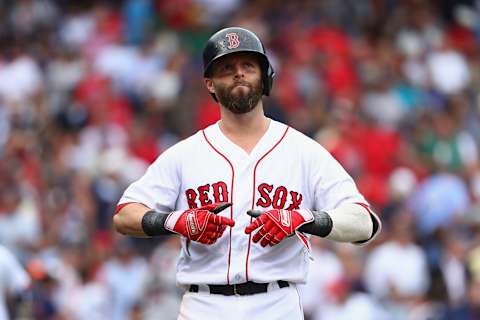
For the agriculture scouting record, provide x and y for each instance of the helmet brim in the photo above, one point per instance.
(264, 63)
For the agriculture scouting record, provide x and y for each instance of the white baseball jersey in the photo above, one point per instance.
(285, 170)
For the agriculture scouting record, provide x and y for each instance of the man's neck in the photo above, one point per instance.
(252, 123)
(244, 130)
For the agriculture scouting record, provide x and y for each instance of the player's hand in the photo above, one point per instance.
(202, 224)
(276, 224)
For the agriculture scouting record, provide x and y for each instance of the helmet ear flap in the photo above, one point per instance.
(268, 80)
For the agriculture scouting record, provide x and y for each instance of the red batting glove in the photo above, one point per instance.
(201, 224)
(276, 224)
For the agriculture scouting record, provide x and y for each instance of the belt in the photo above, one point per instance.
(240, 289)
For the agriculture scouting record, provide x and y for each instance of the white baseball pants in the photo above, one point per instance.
(276, 304)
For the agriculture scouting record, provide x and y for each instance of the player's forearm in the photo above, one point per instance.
(348, 223)
(351, 223)
(138, 220)
(128, 220)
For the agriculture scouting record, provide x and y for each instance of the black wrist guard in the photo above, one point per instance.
(153, 223)
(321, 225)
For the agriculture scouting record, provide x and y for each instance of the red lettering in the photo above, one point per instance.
(233, 40)
(280, 198)
(191, 197)
(296, 200)
(220, 191)
(264, 200)
(203, 195)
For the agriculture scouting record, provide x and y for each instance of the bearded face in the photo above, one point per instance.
(236, 81)
(240, 97)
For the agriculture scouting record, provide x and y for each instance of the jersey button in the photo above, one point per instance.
(238, 277)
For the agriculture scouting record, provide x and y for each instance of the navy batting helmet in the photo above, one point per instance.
(235, 39)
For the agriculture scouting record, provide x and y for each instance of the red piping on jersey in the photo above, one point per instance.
(253, 197)
(121, 206)
(364, 206)
(231, 207)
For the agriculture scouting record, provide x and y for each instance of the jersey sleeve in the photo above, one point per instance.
(332, 185)
(158, 187)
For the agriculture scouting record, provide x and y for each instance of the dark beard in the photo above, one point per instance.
(240, 103)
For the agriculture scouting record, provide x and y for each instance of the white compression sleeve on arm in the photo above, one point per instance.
(353, 223)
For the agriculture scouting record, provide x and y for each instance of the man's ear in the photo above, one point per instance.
(209, 85)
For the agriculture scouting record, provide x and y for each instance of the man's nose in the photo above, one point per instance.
(239, 72)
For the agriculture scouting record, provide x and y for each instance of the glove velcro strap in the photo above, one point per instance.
(194, 229)
(172, 219)
(284, 219)
(306, 214)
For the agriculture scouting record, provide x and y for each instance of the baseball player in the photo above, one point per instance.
(244, 195)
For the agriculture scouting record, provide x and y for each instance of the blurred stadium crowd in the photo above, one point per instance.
(92, 91)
